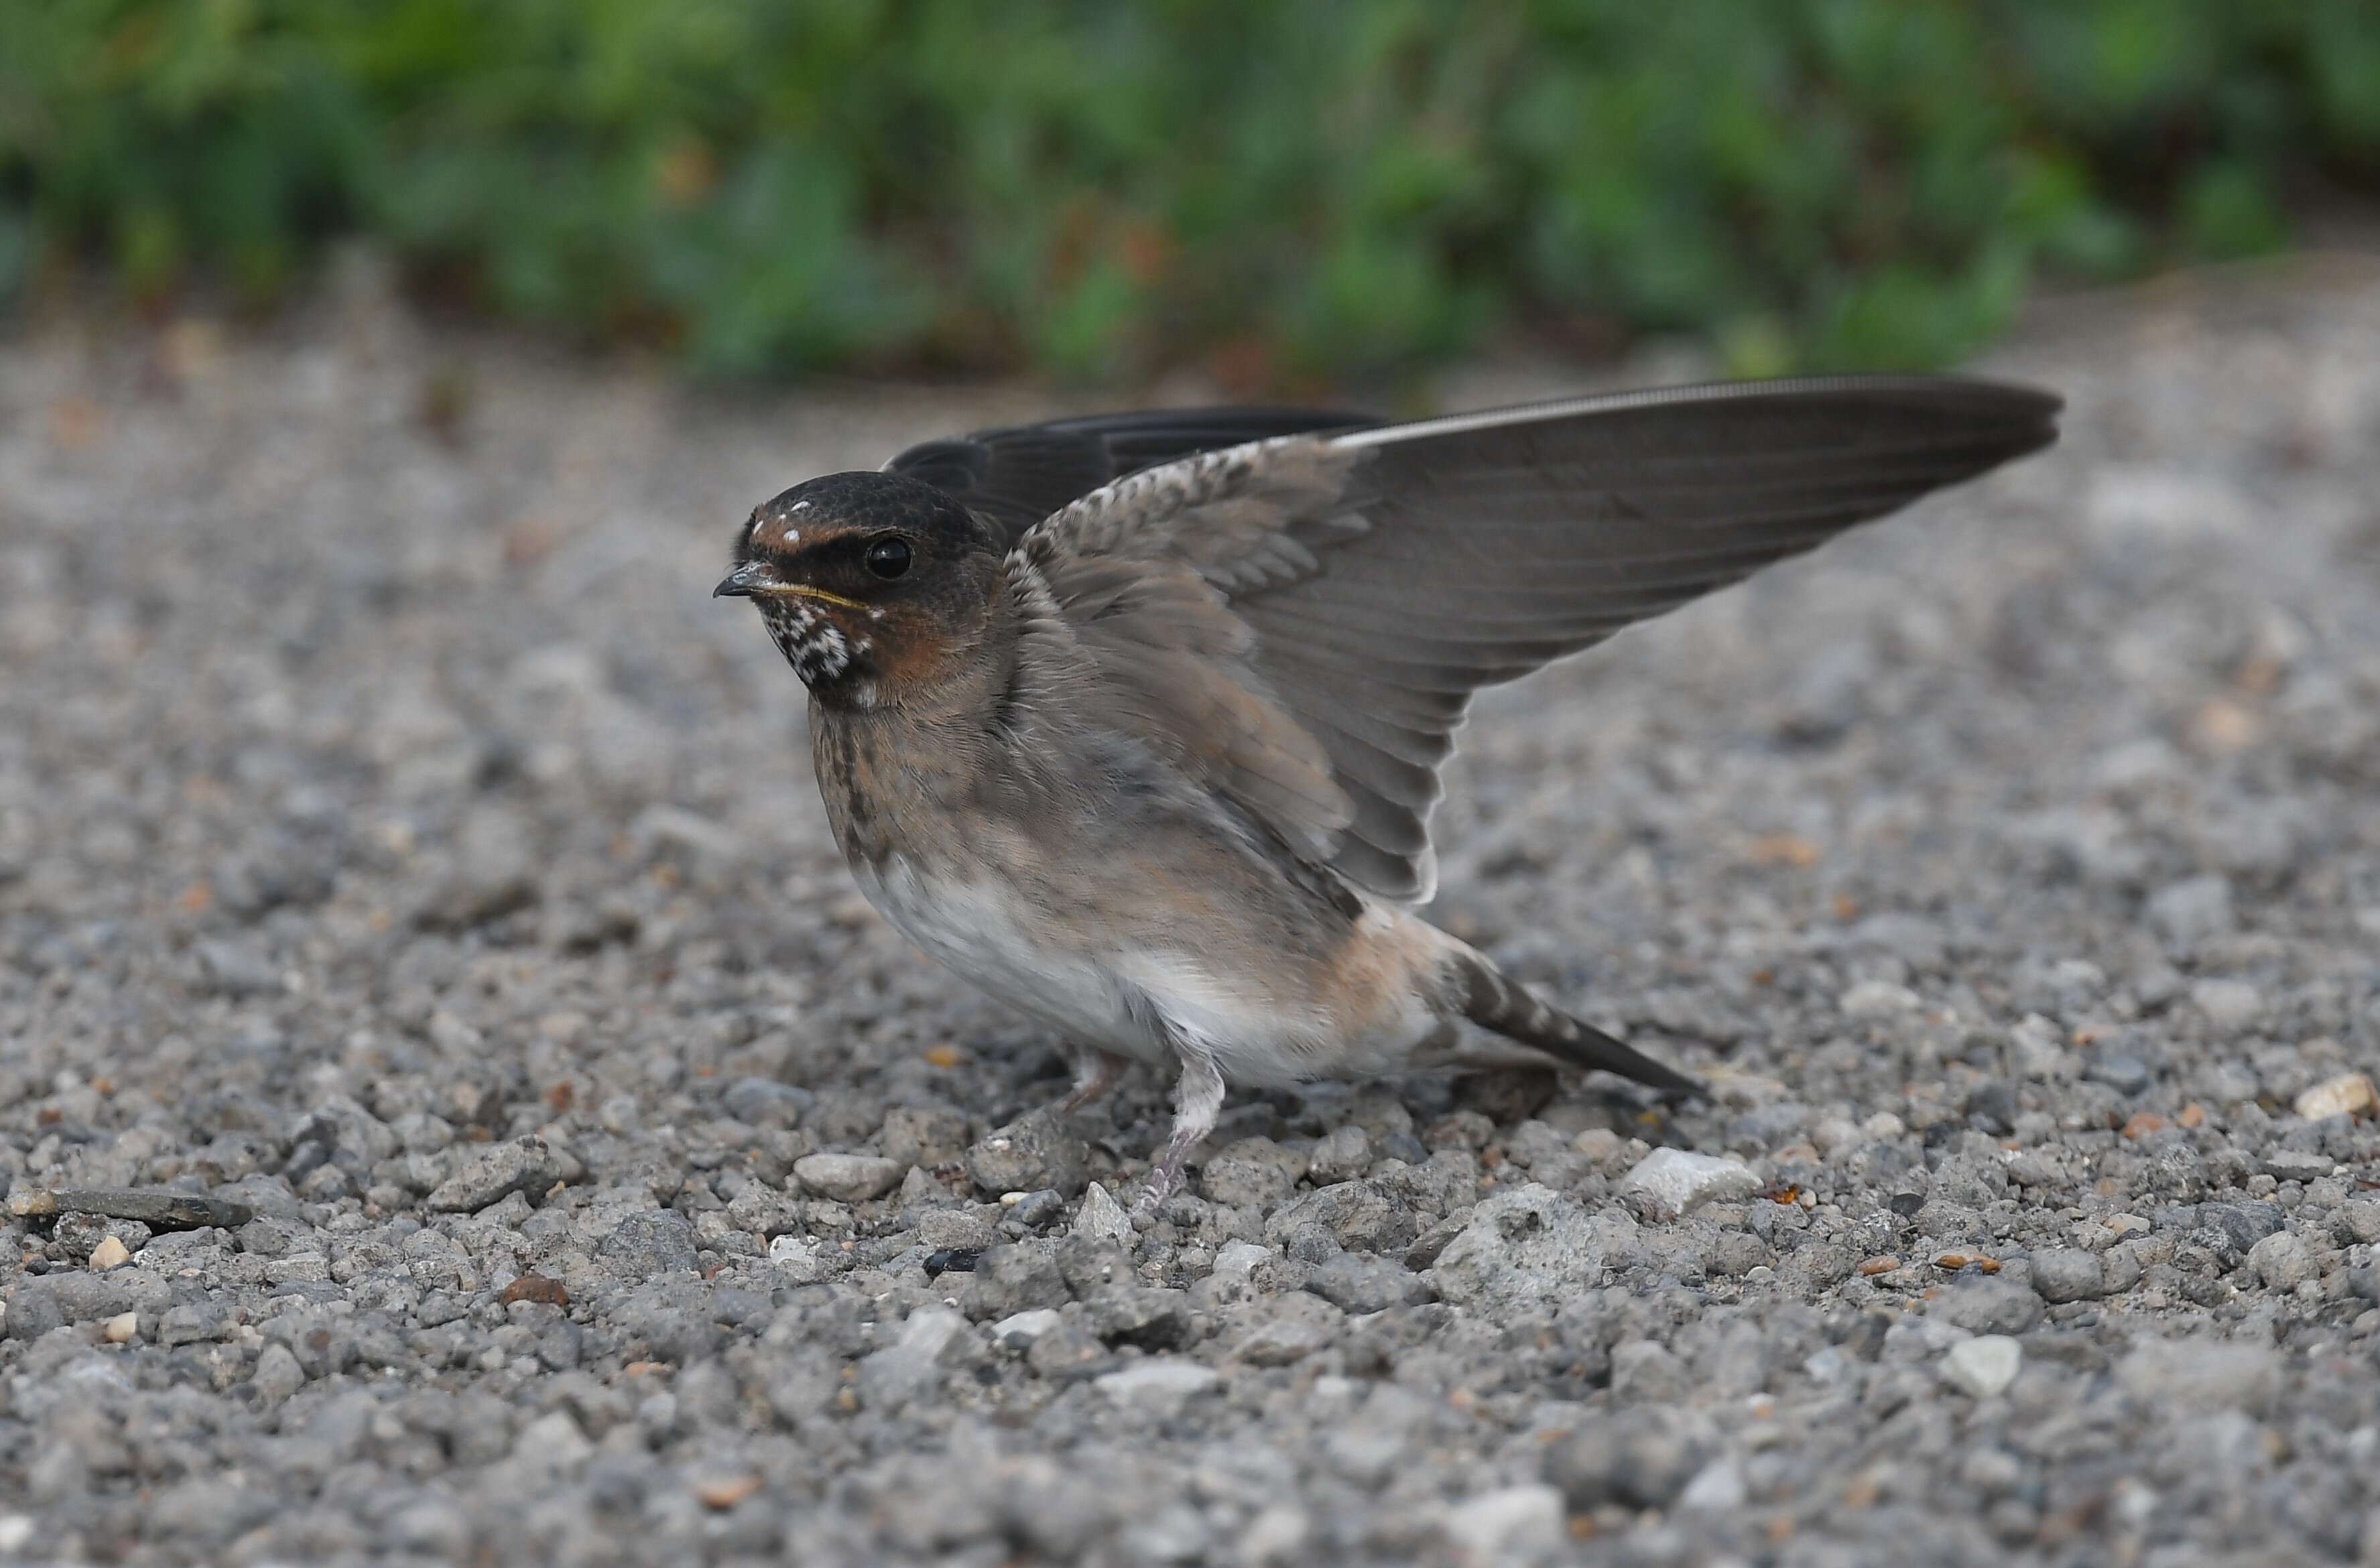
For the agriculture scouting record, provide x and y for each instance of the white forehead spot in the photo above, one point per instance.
(801, 506)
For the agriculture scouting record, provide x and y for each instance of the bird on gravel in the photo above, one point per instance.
(1135, 721)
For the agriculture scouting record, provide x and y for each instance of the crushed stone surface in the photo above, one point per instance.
(404, 863)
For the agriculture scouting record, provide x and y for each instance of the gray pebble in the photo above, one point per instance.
(1251, 1171)
(1032, 1152)
(1523, 1248)
(523, 1165)
(1642, 1457)
(2068, 1275)
(1355, 1282)
(1988, 1305)
(849, 1178)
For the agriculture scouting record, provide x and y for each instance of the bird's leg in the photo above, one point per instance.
(1095, 1072)
(1197, 1101)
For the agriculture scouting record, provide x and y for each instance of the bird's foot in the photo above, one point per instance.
(1197, 1101)
(1095, 1072)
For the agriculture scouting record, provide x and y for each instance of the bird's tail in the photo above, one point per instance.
(1493, 1000)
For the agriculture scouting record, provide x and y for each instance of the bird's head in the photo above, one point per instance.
(871, 584)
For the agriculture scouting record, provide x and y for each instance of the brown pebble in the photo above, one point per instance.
(723, 1492)
(537, 1287)
(1882, 1264)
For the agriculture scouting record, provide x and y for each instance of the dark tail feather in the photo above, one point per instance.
(1492, 1001)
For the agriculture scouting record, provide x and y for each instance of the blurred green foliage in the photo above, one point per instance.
(1282, 188)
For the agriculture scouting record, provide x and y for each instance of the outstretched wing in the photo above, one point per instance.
(1020, 474)
(1361, 585)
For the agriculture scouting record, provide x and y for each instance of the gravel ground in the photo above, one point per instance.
(405, 865)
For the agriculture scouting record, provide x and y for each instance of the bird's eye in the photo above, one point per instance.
(888, 559)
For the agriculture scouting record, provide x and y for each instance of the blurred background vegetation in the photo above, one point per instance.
(1278, 191)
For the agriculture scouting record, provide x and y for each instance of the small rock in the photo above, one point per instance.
(2190, 911)
(2298, 1165)
(120, 1328)
(1357, 1282)
(1359, 1216)
(849, 1178)
(2068, 1275)
(1102, 1219)
(765, 1102)
(955, 1230)
(524, 1166)
(2127, 1075)
(233, 969)
(1160, 1386)
(1023, 1327)
(1641, 1457)
(1345, 1153)
(654, 1241)
(2229, 1005)
(1989, 1306)
(1509, 1528)
(2349, 1094)
(1152, 1318)
(1288, 1328)
(1525, 1248)
(2202, 1375)
(1645, 1370)
(1030, 1153)
(2282, 1260)
(33, 1312)
(278, 1375)
(1253, 1171)
(1717, 1488)
(1236, 1262)
(923, 1136)
(539, 1288)
(109, 1254)
(909, 1366)
(1879, 998)
(720, 1492)
(1017, 1278)
(1671, 1182)
(1983, 1365)
(1036, 1209)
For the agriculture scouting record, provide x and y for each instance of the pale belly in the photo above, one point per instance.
(1137, 1000)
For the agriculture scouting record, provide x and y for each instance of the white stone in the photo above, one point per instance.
(1161, 1384)
(553, 1443)
(1877, 998)
(1026, 1326)
(1717, 1488)
(109, 1254)
(849, 1178)
(1235, 1266)
(1503, 1529)
(1101, 1218)
(1983, 1365)
(2228, 1004)
(910, 1366)
(122, 1327)
(2348, 1095)
(1673, 1181)
(15, 1532)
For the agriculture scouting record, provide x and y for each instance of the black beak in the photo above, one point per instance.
(740, 582)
